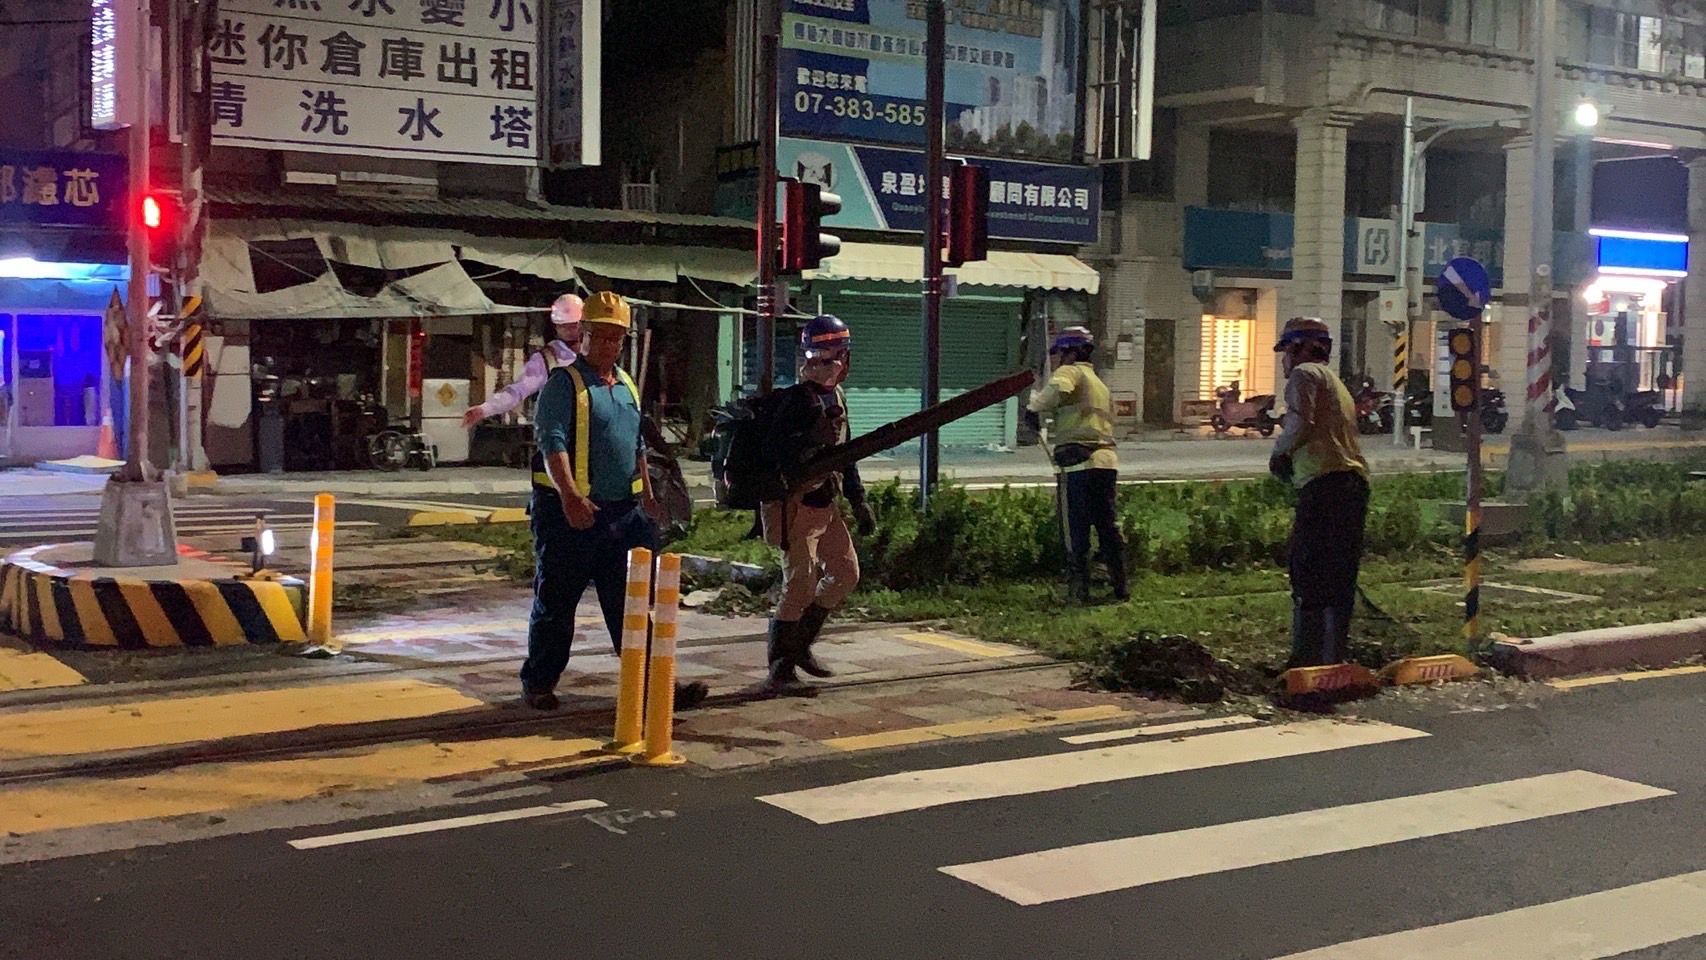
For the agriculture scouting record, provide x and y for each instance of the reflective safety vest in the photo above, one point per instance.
(582, 476)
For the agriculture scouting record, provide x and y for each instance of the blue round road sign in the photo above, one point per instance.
(1464, 288)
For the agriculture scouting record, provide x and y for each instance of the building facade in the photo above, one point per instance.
(1275, 187)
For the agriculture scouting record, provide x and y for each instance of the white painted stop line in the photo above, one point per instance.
(453, 823)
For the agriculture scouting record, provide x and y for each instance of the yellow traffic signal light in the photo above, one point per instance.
(1465, 359)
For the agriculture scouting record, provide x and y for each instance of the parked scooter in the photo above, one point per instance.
(1256, 413)
(1374, 408)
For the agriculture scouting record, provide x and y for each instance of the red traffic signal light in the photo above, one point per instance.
(161, 216)
(152, 215)
(804, 246)
(968, 214)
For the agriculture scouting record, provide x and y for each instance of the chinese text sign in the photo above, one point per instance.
(428, 79)
(62, 188)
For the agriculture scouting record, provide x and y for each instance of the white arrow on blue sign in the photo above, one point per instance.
(1464, 288)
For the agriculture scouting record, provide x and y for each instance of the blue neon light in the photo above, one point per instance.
(1643, 255)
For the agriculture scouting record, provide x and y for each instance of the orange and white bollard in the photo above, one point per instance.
(320, 571)
(630, 691)
(660, 692)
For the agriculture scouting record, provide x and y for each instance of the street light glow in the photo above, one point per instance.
(1587, 114)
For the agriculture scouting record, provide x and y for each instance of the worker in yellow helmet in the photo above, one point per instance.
(592, 499)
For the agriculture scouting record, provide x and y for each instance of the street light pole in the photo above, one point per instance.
(1406, 226)
(1537, 451)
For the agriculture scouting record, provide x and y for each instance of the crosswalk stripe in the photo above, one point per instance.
(918, 790)
(1594, 926)
(1092, 868)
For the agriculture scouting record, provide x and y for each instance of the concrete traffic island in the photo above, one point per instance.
(55, 596)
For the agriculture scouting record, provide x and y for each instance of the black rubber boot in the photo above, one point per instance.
(1336, 633)
(782, 650)
(1117, 573)
(811, 624)
(1078, 579)
(1308, 637)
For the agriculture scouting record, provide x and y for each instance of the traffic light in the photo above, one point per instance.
(162, 217)
(804, 246)
(968, 214)
(1465, 373)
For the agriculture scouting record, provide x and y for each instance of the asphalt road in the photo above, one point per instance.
(1576, 795)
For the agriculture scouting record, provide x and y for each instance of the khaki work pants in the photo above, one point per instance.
(819, 564)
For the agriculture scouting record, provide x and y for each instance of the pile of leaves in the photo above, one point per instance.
(1169, 667)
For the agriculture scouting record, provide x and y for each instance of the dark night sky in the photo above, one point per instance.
(1650, 193)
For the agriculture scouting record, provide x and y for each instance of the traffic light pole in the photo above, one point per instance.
(767, 245)
(136, 527)
(935, 164)
(1472, 500)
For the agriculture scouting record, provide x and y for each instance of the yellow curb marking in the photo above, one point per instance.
(508, 515)
(20, 670)
(225, 786)
(442, 518)
(151, 723)
(971, 728)
(1621, 677)
(975, 648)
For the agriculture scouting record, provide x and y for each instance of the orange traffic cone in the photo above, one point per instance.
(107, 447)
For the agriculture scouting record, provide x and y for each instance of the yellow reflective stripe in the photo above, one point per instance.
(583, 432)
(639, 484)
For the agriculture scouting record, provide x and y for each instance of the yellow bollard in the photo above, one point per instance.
(320, 571)
(660, 693)
(630, 692)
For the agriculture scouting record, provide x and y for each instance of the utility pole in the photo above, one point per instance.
(768, 43)
(1537, 457)
(136, 527)
(935, 167)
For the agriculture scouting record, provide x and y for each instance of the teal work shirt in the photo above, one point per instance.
(613, 435)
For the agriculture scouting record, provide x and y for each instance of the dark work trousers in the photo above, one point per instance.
(1090, 503)
(565, 560)
(1326, 541)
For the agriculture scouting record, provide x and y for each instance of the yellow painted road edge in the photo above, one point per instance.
(1580, 682)
(976, 648)
(972, 728)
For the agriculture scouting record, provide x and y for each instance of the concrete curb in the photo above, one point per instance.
(50, 606)
(1609, 648)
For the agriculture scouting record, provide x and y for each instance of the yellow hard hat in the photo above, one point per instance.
(608, 308)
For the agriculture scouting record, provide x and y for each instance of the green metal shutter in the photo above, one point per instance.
(980, 342)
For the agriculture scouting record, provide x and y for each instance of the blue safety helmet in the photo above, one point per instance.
(825, 335)
(1072, 338)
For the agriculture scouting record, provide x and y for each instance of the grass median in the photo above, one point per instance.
(1628, 546)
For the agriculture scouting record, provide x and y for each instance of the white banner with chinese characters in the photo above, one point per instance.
(572, 98)
(428, 79)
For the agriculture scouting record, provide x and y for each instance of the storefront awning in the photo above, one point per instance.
(443, 267)
(1004, 268)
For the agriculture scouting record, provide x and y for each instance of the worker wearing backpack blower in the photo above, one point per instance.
(1084, 459)
(820, 566)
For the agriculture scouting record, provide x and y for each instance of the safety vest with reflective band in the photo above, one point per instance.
(582, 476)
(1083, 414)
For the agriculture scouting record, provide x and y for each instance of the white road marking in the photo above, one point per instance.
(1091, 868)
(1159, 730)
(1595, 926)
(896, 793)
(453, 823)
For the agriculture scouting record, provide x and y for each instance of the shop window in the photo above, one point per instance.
(1251, 170)
(1482, 23)
(1225, 354)
(59, 369)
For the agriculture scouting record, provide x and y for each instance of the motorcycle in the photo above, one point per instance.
(1256, 413)
(1374, 408)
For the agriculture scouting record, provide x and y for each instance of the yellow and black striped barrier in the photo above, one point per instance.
(50, 606)
(1400, 364)
(1472, 573)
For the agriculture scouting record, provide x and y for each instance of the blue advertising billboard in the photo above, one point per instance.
(883, 189)
(854, 70)
(62, 188)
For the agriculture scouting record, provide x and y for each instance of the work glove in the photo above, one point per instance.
(1280, 466)
(864, 518)
(1032, 420)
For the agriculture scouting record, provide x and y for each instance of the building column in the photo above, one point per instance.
(1694, 303)
(1318, 240)
(1507, 353)
(1190, 165)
